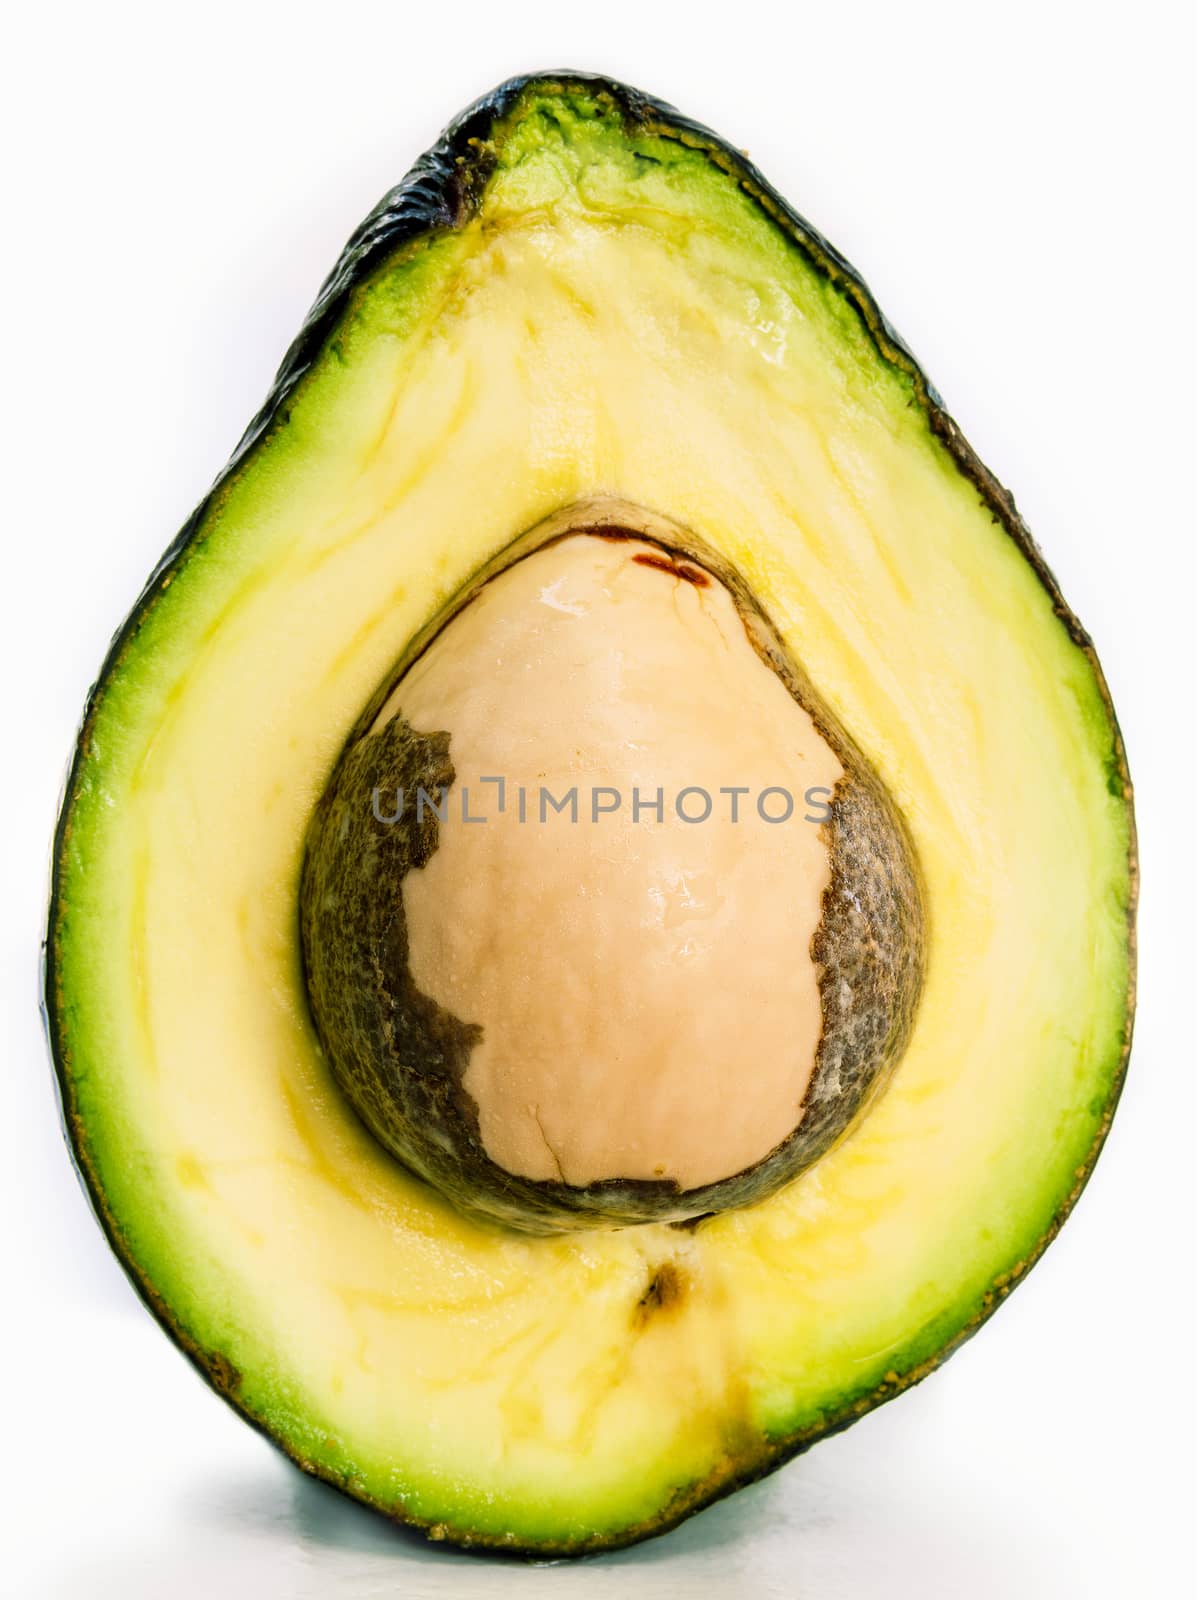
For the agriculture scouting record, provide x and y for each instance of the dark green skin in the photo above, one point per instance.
(400, 1058)
(439, 193)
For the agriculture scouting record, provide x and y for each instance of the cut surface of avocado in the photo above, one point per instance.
(581, 297)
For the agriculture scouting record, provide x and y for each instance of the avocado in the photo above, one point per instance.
(539, 1188)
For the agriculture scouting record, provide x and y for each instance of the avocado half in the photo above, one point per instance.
(580, 294)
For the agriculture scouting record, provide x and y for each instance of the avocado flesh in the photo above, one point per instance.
(612, 304)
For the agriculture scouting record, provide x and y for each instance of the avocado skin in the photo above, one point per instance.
(400, 1058)
(438, 193)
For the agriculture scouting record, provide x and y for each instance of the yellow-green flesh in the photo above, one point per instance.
(640, 328)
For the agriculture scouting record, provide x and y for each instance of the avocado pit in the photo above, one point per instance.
(604, 921)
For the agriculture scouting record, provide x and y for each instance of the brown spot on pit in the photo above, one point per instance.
(666, 1290)
(676, 569)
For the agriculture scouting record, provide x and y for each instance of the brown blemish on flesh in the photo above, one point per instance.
(666, 1291)
(223, 1373)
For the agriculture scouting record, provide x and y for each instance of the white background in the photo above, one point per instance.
(1016, 183)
